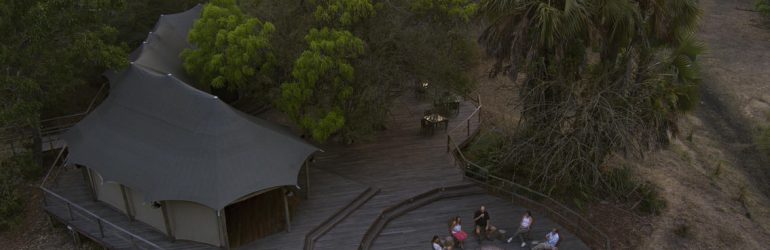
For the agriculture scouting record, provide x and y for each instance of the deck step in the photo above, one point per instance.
(338, 217)
(413, 203)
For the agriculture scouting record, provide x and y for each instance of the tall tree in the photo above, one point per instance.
(232, 50)
(323, 75)
(49, 50)
(600, 77)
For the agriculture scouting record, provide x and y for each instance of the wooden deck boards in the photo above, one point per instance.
(415, 229)
(328, 194)
(402, 163)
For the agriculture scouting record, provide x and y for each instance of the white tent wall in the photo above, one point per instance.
(108, 192)
(144, 211)
(193, 221)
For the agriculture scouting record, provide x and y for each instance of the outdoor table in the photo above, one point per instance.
(432, 120)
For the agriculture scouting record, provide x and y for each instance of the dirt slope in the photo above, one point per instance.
(714, 178)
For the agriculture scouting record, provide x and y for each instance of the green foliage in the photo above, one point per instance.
(488, 151)
(232, 50)
(764, 141)
(11, 181)
(763, 6)
(51, 48)
(462, 10)
(343, 12)
(602, 77)
(398, 52)
(322, 85)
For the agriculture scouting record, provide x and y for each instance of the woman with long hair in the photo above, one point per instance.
(457, 231)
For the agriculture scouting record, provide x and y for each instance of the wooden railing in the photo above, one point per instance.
(50, 128)
(80, 215)
(337, 217)
(519, 194)
(394, 211)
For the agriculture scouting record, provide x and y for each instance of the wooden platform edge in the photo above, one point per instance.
(337, 217)
(415, 202)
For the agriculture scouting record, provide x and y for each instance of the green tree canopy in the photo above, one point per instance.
(445, 9)
(232, 50)
(49, 50)
(323, 75)
(343, 12)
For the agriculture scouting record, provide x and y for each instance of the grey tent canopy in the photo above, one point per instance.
(158, 135)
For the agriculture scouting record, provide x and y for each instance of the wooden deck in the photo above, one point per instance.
(328, 194)
(400, 161)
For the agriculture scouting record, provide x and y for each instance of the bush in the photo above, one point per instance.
(487, 150)
(764, 141)
(12, 175)
(763, 6)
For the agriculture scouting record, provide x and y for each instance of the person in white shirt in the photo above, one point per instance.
(551, 241)
(436, 243)
(524, 227)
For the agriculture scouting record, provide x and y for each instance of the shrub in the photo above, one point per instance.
(12, 173)
(764, 141)
(763, 6)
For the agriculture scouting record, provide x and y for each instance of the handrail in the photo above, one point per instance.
(320, 230)
(386, 215)
(71, 204)
(47, 130)
(467, 166)
(478, 109)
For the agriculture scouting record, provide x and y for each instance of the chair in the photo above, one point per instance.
(426, 126)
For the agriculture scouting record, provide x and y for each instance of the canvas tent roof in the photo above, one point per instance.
(158, 135)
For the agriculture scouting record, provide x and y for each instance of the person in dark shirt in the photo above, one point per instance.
(481, 219)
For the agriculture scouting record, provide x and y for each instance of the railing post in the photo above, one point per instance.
(468, 128)
(13, 148)
(69, 210)
(447, 143)
(101, 229)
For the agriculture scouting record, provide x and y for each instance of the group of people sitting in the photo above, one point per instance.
(483, 228)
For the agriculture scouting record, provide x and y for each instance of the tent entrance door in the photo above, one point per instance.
(255, 217)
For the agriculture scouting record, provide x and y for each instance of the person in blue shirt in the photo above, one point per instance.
(551, 241)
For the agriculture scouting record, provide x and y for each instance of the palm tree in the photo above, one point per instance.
(600, 77)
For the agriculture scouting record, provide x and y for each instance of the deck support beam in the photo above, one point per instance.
(286, 210)
(222, 220)
(166, 219)
(307, 180)
(91, 185)
(126, 204)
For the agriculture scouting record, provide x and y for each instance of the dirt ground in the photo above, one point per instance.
(713, 177)
(35, 231)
